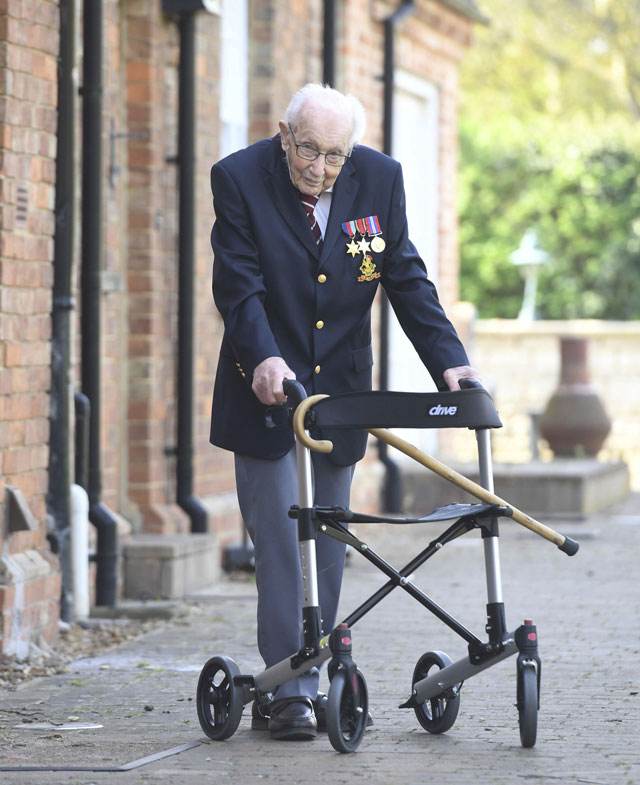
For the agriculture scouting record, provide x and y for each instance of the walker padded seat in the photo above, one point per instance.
(447, 512)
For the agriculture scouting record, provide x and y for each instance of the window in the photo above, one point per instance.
(234, 81)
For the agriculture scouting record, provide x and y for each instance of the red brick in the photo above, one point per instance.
(19, 274)
(47, 14)
(31, 353)
(7, 597)
(7, 624)
(24, 459)
(35, 591)
(37, 431)
(22, 540)
(19, 301)
(13, 354)
(12, 380)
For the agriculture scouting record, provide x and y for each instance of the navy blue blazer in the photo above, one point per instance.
(279, 294)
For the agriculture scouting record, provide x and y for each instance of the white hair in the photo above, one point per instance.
(329, 98)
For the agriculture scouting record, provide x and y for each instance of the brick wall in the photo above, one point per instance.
(213, 468)
(151, 56)
(29, 592)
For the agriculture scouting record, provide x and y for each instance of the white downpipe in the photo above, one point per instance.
(79, 552)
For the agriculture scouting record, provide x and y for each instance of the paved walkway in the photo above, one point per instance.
(138, 699)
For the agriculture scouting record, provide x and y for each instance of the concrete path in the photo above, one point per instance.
(138, 699)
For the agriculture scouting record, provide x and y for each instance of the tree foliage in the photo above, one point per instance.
(554, 59)
(549, 139)
(584, 203)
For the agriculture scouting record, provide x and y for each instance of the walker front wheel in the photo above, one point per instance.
(437, 714)
(347, 710)
(219, 700)
(528, 704)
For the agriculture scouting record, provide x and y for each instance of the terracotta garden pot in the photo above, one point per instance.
(574, 422)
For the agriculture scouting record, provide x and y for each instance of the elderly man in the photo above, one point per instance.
(308, 224)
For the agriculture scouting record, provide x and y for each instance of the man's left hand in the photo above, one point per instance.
(452, 376)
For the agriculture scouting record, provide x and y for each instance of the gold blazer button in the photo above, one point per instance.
(320, 324)
(322, 278)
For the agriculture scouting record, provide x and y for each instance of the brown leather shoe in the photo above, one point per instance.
(292, 719)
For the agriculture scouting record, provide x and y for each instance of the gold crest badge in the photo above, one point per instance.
(368, 270)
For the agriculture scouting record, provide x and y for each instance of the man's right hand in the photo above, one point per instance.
(267, 380)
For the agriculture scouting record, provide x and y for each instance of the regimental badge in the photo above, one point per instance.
(368, 270)
(358, 231)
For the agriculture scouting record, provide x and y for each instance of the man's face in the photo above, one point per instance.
(328, 132)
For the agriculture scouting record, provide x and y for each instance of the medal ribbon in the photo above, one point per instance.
(349, 227)
(373, 224)
(365, 226)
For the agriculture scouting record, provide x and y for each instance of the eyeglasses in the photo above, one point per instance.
(310, 153)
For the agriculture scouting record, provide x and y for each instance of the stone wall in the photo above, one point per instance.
(520, 364)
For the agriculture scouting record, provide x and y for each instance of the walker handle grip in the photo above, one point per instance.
(470, 384)
(280, 415)
(569, 546)
(294, 391)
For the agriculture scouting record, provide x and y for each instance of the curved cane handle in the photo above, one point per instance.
(319, 445)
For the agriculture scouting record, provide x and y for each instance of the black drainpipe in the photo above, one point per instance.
(60, 478)
(392, 491)
(190, 503)
(92, 184)
(329, 44)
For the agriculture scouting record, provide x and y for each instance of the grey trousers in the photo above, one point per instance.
(266, 490)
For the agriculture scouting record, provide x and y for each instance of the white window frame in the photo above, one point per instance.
(234, 76)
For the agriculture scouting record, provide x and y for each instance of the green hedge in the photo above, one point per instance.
(581, 195)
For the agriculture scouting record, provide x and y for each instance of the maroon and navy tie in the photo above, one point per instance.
(309, 203)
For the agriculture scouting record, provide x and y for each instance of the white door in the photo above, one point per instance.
(415, 145)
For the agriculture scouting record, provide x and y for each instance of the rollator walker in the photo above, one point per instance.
(436, 683)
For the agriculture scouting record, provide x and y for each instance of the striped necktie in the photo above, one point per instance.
(309, 203)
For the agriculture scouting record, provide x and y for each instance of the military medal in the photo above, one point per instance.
(378, 244)
(374, 231)
(349, 227)
(352, 248)
(366, 228)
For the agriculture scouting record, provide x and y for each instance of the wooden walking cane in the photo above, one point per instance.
(565, 544)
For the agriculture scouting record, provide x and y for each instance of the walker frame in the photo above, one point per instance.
(435, 690)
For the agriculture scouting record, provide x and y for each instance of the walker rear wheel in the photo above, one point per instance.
(219, 700)
(437, 714)
(528, 704)
(347, 710)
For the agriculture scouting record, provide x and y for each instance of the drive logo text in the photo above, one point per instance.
(439, 409)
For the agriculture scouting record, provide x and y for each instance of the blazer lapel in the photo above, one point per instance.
(278, 183)
(344, 194)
